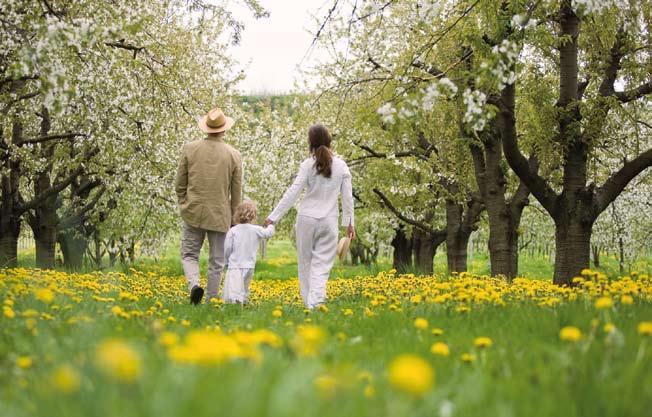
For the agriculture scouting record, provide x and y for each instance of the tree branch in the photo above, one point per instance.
(537, 185)
(619, 180)
(79, 216)
(612, 65)
(634, 93)
(48, 138)
(421, 225)
(58, 187)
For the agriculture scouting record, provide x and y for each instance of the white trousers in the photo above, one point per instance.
(236, 285)
(316, 247)
(192, 239)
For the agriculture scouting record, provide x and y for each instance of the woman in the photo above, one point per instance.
(324, 177)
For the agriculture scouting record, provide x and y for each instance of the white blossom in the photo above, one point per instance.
(386, 112)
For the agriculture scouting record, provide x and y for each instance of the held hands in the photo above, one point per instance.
(268, 222)
(350, 232)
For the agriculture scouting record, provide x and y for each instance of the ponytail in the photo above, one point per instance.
(320, 143)
(324, 161)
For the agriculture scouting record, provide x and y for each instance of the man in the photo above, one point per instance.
(209, 188)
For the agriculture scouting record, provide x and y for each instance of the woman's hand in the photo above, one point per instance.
(268, 222)
(350, 232)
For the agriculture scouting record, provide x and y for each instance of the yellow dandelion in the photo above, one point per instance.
(8, 312)
(277, 313)
(168, 339)
(66, 379)
(44, 294)
(421, 323)
(440, 349)
(468, 357)
(436, 331)
(604, 303)
(411, 374)
(645, 328)
(118, 360)
(24, 362)
(570, 334)
(482, 342)
(326, 385)
(308, 340)
(369, 391)
(626, 299)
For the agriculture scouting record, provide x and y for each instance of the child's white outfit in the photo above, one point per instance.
(240, 248)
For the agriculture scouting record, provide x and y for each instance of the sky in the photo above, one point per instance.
(271, 48)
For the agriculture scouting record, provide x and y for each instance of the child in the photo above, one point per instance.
(240, 249)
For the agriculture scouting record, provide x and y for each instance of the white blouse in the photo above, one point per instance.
(322, 194)
(241, 244)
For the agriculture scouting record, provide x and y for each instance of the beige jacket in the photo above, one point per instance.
(209, 183)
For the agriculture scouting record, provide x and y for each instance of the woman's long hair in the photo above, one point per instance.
(320, 143)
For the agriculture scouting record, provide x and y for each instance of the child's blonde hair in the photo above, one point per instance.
(246, 212)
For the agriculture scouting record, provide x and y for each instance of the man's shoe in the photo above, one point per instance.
(196, 294)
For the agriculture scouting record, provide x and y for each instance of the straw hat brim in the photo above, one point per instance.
(343, 247)
(227, 125)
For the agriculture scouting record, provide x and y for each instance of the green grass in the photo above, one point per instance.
(280, 263)
(527, 372)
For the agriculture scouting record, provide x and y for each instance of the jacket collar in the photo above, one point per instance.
(216, 138)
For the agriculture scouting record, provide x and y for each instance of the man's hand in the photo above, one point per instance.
(268, 222)
(350, 232)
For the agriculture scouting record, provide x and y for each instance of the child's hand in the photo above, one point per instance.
(268, 221)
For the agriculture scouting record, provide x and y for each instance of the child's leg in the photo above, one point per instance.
(231, 284)
(247, 275)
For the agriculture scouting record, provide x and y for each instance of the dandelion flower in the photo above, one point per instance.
(421, 323)
(24, 362)
(468, 357)
(436, 331)
(66, 379)
(482, 342)
(44, 294)
(118, 360)
(440, 349)
(411, 374)
(168, 339)
(604, 303)
(570, 334)
(645, 328)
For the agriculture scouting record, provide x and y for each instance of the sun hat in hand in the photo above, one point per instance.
(343, 248)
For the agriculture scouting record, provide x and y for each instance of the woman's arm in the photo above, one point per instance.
(347, 199)
(291, 195)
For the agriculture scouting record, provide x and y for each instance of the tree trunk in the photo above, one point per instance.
(73, 246)
(10, 216)
(621, 257)
(457, 238)
(46, 238)
(402, 261)
(44, 221)
(596, 255)
(424, 252)
(9, 232)
(573, 249)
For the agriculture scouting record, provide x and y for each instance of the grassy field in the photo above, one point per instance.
(128, 344)
(281, 263)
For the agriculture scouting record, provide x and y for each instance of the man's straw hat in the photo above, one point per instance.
(343, 248)
(215, 121)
